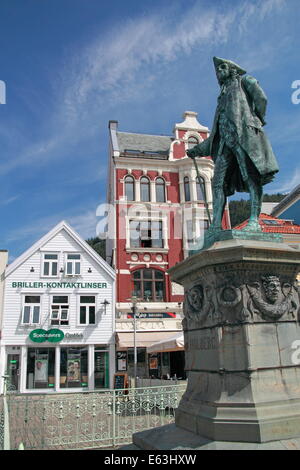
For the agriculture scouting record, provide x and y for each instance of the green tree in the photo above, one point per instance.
(240, 209)
(98, 245)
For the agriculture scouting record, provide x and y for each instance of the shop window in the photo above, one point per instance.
(146, 234)
(121, 361)
(145, 189)
(60, 310)
(140, 353)
(31, 310)
(200, 189)
(73, 265)
(74, 367)
(187, 192)
(149, 285)
(101, 358)
(160, 190)
(40, 368)
(87, 310)
(129, 188)
(50, 264)
(192, 141)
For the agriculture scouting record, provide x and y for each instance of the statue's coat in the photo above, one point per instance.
(244, 104)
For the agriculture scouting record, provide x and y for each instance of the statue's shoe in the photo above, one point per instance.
(252, 226)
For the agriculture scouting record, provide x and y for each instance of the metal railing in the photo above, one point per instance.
(105, 419)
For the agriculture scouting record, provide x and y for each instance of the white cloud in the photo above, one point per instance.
(120, 65)
(9, 200)
(84, 223)
(288, 183)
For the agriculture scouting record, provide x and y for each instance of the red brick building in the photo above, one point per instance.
(158, 214)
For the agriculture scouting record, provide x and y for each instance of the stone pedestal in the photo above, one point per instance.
(241, 331)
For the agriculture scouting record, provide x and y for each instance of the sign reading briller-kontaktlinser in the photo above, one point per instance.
(40, 336)
(60, 285)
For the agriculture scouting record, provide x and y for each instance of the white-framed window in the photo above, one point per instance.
(160, 190)
(187, 191)
(73, 264)
(129, 188)
(145, 189)
(146, 234)
(87, 310)
(59, 310)
(31, 310)
(50, 265)
(201, 190)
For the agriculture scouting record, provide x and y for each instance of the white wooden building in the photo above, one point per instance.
(58, 317)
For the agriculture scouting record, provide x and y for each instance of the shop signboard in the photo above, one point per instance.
(121, 360)
(40, 336)
(152, 315)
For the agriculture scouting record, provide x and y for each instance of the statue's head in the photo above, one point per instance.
(271, 285)
(226, 68)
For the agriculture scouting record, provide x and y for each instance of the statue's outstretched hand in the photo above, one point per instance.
(197, 151)
(191, 153)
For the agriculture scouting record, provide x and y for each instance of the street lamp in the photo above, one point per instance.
(134, 312)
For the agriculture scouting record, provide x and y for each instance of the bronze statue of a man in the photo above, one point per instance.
(243, 157)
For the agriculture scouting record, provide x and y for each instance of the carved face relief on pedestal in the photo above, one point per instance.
(271, 285)
(195, 297)
(271, 300)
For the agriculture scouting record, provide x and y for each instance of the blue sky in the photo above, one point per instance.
(72, 65)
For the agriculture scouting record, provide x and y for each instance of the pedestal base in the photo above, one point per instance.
(171, 437)
(241, 333)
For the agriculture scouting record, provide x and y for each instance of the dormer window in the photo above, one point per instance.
(73, 264)
(50, 264)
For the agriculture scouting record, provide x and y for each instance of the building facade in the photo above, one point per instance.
(58, 317)
(3, 264)
(289, 207)
(157, 214)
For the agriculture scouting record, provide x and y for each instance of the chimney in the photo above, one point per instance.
(113, 125)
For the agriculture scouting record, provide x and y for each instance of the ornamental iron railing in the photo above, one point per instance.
(105, 419)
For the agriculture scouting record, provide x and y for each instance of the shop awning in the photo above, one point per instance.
(173, 343)
(143, 340)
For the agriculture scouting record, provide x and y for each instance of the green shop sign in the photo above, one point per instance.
(60, 285)
(53, 336)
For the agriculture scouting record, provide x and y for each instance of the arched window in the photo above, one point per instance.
(192, 141)
(187, 192)
(145, 189)
(149, 285)
(129, 188)
(160, 190)
(200, 189)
